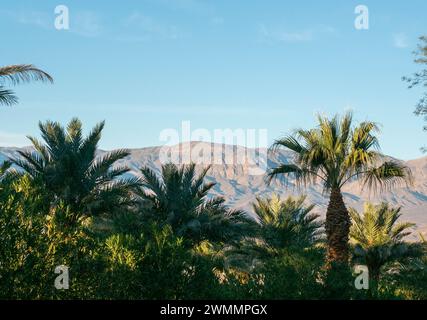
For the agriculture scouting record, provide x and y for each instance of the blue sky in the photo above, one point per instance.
(144, 66)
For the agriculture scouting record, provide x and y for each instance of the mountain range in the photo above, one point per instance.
(239, 176)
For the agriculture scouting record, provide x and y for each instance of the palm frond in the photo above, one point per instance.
(4, 167)
(23, 73)
(90, 144)
(303, 176)
(289, 142)
(102, 164)
(30, 160)
(151, 181)
(387, 176)
(74, 133)
(7, 97)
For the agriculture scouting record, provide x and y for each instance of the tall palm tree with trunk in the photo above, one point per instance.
(16, 74)
(70, 171)
(335, 153)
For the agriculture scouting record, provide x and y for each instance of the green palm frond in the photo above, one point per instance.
(23, 73)
(386, 176)
(288, 142)
(151, 181)
(4, 168)
(303, 176)
(89, 145)
(16, 74)
(345, 128)
(7, 97)
(378, 238)
(74, 133)
(101, 165)
(30, 161)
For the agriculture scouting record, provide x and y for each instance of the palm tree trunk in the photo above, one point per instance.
(337, 228)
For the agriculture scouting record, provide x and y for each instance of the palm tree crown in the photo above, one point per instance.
(67, 166)
(335, 153)
(179, 197)
(287, 223)
(377, 237)
(282, 227)
(16, 74)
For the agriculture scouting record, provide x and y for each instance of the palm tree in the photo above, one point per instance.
(179, 198)
(67, 168)
(335, 153)
(377, 238)
(287, 223)
(16, 74)
(282, 228)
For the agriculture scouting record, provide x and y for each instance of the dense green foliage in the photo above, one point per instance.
(163, 236)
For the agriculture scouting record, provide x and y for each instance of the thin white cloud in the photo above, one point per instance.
(282, 35)
(400, 40)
